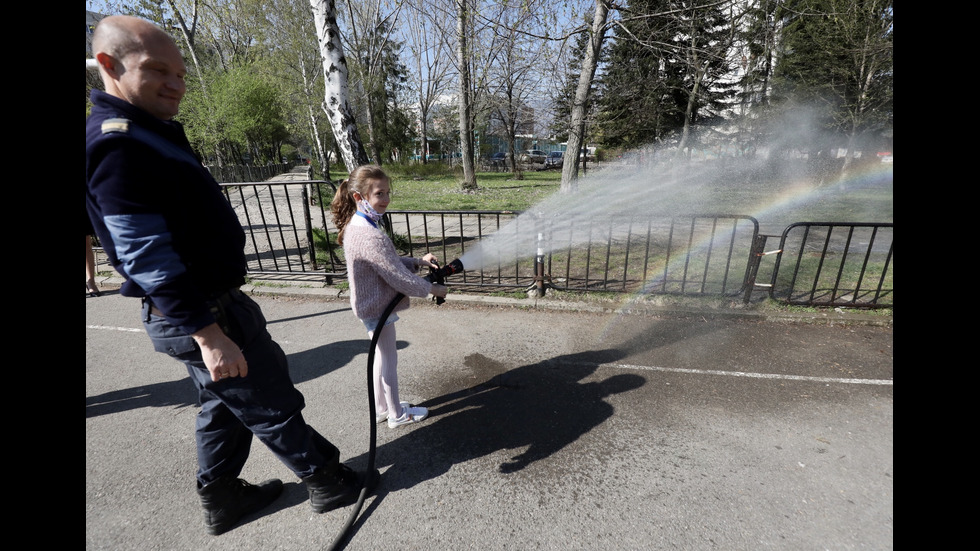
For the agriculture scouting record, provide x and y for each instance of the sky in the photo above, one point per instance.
(97, 6)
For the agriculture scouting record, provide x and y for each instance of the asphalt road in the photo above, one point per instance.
(558, 430)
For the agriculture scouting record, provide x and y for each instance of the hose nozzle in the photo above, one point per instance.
(453, 267)
(438, 275)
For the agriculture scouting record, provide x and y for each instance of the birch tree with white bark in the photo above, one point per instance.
(288, 35)
(335, 70)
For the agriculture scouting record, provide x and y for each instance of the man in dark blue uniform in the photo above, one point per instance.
(167, 228)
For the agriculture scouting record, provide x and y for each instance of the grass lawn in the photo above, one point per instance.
(439, 189)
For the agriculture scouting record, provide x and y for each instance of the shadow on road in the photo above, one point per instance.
(179, 393)
(542, 407)
(535, 409)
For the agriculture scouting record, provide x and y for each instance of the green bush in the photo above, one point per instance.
(324, 244)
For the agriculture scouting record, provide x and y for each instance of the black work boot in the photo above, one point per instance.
(227, 499)
(330, 491)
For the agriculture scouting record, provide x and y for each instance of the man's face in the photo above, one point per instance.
(153, 79)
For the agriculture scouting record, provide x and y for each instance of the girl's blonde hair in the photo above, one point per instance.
(343, 205)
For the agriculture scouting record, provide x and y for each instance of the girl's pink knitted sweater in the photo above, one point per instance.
(376, 273)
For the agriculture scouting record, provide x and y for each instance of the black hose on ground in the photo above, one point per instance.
(369, 473)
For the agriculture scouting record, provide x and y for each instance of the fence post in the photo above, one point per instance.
(755, 258)
(309, 225)
(539, 266)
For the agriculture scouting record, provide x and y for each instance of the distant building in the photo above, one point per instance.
(91, 20)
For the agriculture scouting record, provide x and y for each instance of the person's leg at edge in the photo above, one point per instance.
(90, 286)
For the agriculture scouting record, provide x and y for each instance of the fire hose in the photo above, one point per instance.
(438, 276)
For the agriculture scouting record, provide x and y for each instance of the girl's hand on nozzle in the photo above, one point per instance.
(430, 260)
(439, 290)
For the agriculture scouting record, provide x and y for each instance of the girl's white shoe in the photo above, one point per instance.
(409, 415)
(382, 417)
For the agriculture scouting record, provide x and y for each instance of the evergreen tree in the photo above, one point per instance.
(698, 70)
(837, 58)
(666, 74)
(635, 103)
(755, 52)
(392, 131)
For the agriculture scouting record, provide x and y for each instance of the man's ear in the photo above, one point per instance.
(109, 64)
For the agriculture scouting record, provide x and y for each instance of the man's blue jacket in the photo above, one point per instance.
(159, 214)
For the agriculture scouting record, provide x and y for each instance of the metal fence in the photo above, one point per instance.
(285, 225)
(290, 231)
(699, 255)
(834, 264)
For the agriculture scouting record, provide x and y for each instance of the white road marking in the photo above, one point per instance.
(886, 382)
(126, 329)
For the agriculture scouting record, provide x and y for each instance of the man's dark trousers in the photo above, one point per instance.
(265, 403)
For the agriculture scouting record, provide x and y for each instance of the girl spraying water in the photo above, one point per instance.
(377, 275)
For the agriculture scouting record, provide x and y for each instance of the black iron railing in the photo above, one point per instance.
(834, 264)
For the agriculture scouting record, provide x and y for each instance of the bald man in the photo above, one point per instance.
(169, 231)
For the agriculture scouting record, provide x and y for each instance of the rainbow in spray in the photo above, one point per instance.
(775, 194)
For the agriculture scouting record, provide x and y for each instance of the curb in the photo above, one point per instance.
(315, 289)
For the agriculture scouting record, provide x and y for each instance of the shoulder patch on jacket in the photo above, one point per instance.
(115, 125)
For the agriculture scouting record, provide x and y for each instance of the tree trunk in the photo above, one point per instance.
(335, 71)
(424, 125)
(465, 104)
(511, 157)
(576, 132)
(689, 110)
(317, 147)
(849, 156)
(318, 144)
(372, 143)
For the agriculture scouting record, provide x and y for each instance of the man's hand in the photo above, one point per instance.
(221, 355)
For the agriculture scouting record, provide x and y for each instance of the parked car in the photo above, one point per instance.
(533, 156)
(553, 160)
